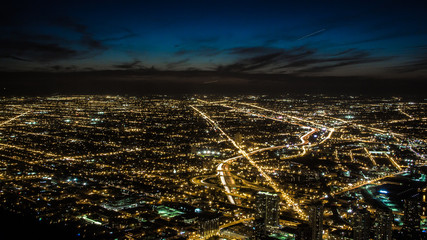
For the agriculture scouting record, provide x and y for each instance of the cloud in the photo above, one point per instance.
(261, 58)
(197, 42)
(422, 47)
(416, 65)
(179, 63)
(34, 51)
(14, 58)
(336, 64)
(87, 40)
(128, 34)
(245, 51)
(252, 63)
(343, 56)
(135, 64)
(198, 46)
(26, 46)
(312, 34)
(391, 35)
(91, 43)
(64, 68)
(345, 52)
(295, 60)
(202, 51)
(37, 37)
(201, 40)
(69, 23)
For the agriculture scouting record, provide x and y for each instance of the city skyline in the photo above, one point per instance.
(202, 167)
(213, 120)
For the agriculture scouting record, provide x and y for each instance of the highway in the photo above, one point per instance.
(364, 126)
(304, 138)
(225, 176)
(200, 180)
(289, 201)
(227, 180)
(404, 113)
(370, 156)
(394, 162)
(222, 172)
(235, 222)
(287, 115)
(363, 183)
(14, 118)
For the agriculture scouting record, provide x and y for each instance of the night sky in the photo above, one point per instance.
(60, 46)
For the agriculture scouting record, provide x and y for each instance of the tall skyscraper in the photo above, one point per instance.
(383, 224)
(316, 220)
(411, 211)
(208, 225)
(412, 217)
(303, 232)
(361, 225)
(260, 231)
(267, 208)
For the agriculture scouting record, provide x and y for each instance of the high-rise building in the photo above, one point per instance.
(303, 232)
(412, 217)
(383, 224)
(361, 225)
(411, 211)
(267, 208)
(260, 231)
(316, 220)
(423, 201)
(208, 225)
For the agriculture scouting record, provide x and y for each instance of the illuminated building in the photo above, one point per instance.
(411, 217)
(316, 220)
(383, 224)
(267, 208)
(303, 232)
(208, 225)
(260, 231)
(361, 225)
(128, 169)
(124, 203)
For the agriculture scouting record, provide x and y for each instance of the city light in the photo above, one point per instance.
(198, 165)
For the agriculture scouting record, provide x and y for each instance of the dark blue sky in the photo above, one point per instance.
(299, 38)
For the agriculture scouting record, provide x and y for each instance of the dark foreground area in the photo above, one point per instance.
(14, 226)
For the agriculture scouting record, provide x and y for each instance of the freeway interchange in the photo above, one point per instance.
(227, 178)
(224, 174)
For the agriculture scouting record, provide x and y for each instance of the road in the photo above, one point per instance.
(14, 118)
(382, 131)
(222, 169)
(289, 201)
(200, 180)
(363, 183)
(235, 222)
(227, 181)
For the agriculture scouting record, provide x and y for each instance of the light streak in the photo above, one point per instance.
(289, 201)
(14, 118)
(394, 162)
(370, 156)
(312, 34)
(363, 183)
